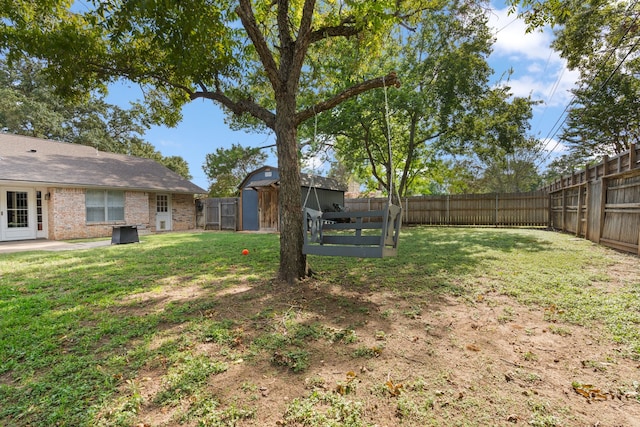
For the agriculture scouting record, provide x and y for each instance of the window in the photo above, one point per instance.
(104, 206)
(162, 204)
(39, 209)
(17, 209)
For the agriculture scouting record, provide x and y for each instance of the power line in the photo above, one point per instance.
(563, 117)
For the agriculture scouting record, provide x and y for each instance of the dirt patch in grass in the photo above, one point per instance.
(372, 356)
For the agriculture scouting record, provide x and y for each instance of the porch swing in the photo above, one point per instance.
(341, 233)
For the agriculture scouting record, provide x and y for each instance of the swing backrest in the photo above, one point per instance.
(368, 234)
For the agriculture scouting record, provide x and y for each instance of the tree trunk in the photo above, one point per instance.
(292, 261)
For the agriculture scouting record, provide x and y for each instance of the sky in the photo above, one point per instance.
(537, 71)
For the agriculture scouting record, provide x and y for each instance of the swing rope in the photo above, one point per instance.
(328, 234)
(391, 172)
(312, 183)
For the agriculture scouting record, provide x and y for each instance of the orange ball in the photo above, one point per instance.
(245, 252)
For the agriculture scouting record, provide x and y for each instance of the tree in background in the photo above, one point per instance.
(511, 172)
(443, 67)
(600, 39)
(227, 167)
(177, 164)
(501, 149)
(605, 118)
(564, 165)
(29, 106)
(446, 106)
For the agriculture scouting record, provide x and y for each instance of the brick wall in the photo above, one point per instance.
(136, 209)
(67, 215)
(183, 211)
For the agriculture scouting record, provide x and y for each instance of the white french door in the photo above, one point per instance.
(17, 214)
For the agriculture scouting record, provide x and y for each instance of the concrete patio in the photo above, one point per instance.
(48, 245)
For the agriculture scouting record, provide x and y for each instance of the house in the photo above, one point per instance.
(259, 197)
(56, 190)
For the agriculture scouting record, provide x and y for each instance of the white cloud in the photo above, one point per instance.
(535, 68)
(554, 145)
(513, 40)
(538, 70)
(313, 163)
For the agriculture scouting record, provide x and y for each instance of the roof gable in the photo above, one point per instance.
(258, 179)
(32, 160)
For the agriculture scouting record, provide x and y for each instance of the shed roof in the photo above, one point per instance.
(307, 180)
(33, 160)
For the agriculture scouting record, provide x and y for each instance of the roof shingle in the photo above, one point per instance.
(32, 160)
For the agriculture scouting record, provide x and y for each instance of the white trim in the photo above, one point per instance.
(164, 220)
(20, 233)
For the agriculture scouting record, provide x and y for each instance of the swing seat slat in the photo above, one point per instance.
(351, 240)
(349, 226)
(352, 233)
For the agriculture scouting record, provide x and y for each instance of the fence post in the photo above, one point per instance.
(550, 211)
(603, 202)
(448, 217)
(495, 218)
(587, 196)
(206, 211)
(564, 209)
(578, 211)
(219, 214)
(406, 203)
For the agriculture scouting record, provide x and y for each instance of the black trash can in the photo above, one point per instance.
(124, 234)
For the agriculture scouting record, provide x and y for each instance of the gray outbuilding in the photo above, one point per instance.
(259, 197)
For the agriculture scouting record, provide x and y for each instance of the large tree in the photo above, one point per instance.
(512, 171)
(600, 39)
(444, 72)
(446, 105)
(605, 118)
(252, 57)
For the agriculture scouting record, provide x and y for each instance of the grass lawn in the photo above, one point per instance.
(465, 327)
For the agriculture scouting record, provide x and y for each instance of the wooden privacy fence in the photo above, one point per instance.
(220, 213)
(498, 210)
(602, 202)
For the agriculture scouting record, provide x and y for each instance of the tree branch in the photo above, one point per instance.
(239, 107)
(130, 73)
(372, 162)
(390, 79)
(341, 30)
(303, 41)
(248, 19)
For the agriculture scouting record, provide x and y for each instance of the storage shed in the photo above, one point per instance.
(259, 197)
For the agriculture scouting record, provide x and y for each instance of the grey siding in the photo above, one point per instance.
(250, 210)
(326, 191)
(326, 198)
